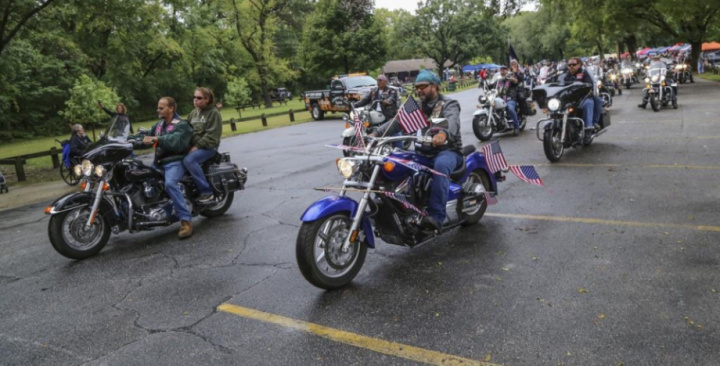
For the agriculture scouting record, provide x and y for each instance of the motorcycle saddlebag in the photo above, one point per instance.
(606, 119)
(222, 175)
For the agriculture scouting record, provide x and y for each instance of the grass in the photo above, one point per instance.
(708, 76)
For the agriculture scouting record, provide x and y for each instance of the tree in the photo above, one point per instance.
(255, 23)
(455, 31)
(15, 15)
(342, 36)
(82, 106)
(238, 92)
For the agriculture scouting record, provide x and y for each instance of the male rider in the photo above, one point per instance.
(507, 88)
(590, 106)
(656, 63)
(446, 146)
(171, 138)
(387, 96)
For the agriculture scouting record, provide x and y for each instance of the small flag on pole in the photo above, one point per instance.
(494, 157)
(360, 141)
(411, 117)
(490, 198)
(402, 199)
(527, 173)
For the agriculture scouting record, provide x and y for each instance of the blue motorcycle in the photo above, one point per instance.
(337, 230)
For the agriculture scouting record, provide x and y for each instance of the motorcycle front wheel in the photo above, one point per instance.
(654, 103)
(552, 146)
(319, 255)
(482, 128)
(71, 238)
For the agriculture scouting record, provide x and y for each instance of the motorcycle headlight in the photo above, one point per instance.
(599, 84)
(100, 171)
(346, 168)
(662, 78)
(77, 169)
(647, 80)
(678, 67)
(87, 167)
(553, 104)
(613, 77)
(483, 100)
(655, 78)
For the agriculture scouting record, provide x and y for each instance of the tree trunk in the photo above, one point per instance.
(695, 54)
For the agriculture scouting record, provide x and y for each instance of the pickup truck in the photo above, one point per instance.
(343, 90)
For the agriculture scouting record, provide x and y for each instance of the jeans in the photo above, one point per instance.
(192, 163)
(597, 109)
(445, 162)
(588, 108)
(173, 174)
(512, 110)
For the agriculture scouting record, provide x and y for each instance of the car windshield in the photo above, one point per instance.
(359, 81)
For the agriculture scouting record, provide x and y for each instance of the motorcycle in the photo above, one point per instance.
(683, 73)
(564, 127)
(492, 115)
(657, 92)
(628, 77)
(371, 119)
(120, 193)
(612, 79)
(337, 230)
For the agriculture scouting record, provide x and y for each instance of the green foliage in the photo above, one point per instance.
(238, 92)
(341, 38)
(82, 106)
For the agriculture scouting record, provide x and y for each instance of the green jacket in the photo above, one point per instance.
(173, 140)
(208, 127)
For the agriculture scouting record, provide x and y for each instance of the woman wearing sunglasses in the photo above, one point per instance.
(207, 122)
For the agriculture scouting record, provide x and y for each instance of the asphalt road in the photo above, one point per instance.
(616, 262)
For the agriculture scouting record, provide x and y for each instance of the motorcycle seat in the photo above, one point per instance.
(460, 171)
(468, 149)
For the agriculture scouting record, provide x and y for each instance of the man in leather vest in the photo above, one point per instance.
(591, 107)
(445, 152)
(387, 96)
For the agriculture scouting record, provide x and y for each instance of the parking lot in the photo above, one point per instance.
(616, 262)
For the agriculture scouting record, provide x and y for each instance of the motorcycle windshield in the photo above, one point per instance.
(657, 72)
(567, 93)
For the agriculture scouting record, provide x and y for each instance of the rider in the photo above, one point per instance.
(444, 157)
(207, 123)
(387, 96)
(507, 88)
(590, 106)
(171, 138)
(656, 63)
(78, 140)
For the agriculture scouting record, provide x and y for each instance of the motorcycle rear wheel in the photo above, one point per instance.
(319, 256)
(552, 146)
(477, 176)
(219, 208)
(70, 238)
(481, 127)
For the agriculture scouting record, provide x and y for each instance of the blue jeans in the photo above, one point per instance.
(445, 162)
(174, 172)
(588, 108)
(512, 110)
(192, 163)
(597, 109)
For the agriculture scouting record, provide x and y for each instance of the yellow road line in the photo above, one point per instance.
(352, 339)
(660, 166)
(583, 220)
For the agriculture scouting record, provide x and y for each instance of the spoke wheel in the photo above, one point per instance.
(552, 146)
(71, 237)
(482, 128)
(320, 256)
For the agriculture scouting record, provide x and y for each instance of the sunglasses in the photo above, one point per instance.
(572, 64)
(421, 86)
(198, 98)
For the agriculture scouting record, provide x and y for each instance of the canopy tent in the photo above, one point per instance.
(643, 51)
(711, 46)
(676, 47)
(624, 55)
(471, 68)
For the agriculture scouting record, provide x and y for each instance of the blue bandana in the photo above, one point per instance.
(427, 76)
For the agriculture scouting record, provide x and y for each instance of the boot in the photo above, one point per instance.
(185, 229)
(642, 105)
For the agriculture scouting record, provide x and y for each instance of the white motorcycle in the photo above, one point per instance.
(493, 115)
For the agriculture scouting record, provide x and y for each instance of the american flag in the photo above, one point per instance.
(527, 173)
(494, 157)
(358, 131)
(490, 198)
(415, 166)
(402, 199)
(411, 117)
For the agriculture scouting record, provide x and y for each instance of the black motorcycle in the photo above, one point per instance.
(564, 127)
(121, 193)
